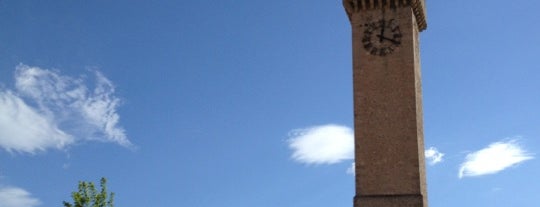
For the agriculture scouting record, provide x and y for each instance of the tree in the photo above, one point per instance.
(88, 196)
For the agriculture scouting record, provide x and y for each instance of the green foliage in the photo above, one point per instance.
(88, 196)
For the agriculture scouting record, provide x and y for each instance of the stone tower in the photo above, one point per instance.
(389, 137)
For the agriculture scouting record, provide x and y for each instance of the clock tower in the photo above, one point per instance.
(388, 120)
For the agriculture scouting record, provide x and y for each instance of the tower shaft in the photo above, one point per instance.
(388, 118)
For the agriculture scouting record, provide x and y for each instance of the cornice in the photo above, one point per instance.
(418, 7)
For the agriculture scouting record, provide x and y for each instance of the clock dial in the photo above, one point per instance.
(381, 37)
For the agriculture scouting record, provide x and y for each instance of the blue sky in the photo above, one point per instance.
(249, 103)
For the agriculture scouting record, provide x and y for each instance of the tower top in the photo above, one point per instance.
(418, 7)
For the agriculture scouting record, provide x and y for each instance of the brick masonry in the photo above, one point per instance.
(418, 7)
(389, 139)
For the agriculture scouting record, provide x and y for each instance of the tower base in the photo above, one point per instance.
(415, 200)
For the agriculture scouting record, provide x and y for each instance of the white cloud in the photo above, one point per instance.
(99, 110)
(49, 110)
(433, 156)
(493, 159)
(22, 128)
(330, 144)
(327, 144)
(352, 169)
(17, 197)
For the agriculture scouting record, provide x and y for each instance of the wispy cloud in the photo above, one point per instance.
(49, 110)
(494, 158)
(433, 156)
(17, 197)
(326, 144)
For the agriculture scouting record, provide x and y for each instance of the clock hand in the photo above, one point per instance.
(382, 31)
(381, 37)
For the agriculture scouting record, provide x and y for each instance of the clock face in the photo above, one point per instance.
(381, 37)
